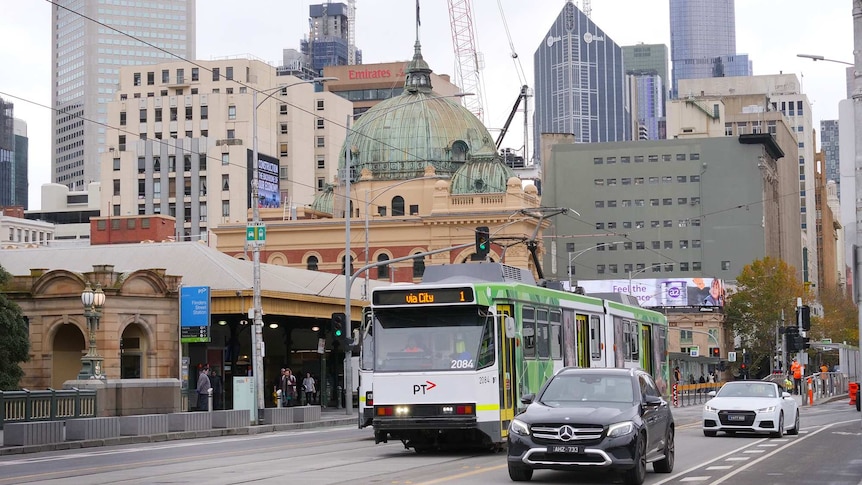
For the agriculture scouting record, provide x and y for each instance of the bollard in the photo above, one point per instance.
(210, 399)
(853, 389)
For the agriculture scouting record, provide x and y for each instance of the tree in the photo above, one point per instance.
(14, 339)
(840, 320)
(765, 288)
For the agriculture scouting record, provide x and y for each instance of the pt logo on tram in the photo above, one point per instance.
(422, 388)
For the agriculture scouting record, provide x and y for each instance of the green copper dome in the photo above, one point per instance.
(398, 137)
(481, 177)
(323, 200)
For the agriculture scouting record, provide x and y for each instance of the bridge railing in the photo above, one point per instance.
(48, 405)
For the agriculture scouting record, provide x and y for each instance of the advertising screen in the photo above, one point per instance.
(659, 292)
(268, 193)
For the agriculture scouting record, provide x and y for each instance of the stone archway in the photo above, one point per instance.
(68, 346)
(134, 347)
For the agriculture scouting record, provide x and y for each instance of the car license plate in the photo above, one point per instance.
(564, 449)
(736, 417)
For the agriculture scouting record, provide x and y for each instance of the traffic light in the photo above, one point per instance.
(341, 330)
(793, 339)
(483, 242)
(804, 317)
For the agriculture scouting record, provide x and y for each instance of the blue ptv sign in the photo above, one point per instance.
(194, 314)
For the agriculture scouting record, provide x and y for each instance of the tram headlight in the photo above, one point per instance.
(520, 428)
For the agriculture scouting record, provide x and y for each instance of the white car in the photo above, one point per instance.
(751, 407)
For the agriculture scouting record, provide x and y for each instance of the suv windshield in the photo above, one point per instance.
(432, 339)
(567, 390)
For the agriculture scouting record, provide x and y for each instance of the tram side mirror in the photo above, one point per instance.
(509, 322)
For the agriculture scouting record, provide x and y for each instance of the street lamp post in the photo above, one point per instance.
(91, 363)
(574, 255)
(257, 348)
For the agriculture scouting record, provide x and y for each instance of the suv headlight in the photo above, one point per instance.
(620, 429)
(520, 428)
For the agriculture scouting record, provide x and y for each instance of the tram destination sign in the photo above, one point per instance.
(423, 296)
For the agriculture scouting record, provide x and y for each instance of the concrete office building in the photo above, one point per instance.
(85, 70)
(785, 96)
(580, 85)
(703, 42)
(185, 138)
(666, 204)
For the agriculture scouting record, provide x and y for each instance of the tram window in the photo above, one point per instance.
(627, 342)
(556, 335)
(528, 318)
(595, 337)
(542, 337)
(486, 348)
(635, 342)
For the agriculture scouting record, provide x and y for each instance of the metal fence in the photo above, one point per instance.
(692, 394)
(25, 405)
(823, 385)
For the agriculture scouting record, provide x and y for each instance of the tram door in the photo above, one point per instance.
(507, 371)
(646, 349)
(583, 341)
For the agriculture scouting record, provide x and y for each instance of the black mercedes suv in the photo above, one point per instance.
(612, 419)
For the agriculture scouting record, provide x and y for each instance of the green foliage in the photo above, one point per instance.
(765, 288)
(840, 320)
(14, 340)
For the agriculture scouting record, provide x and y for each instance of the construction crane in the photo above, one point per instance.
(351, 32)
(467, 63)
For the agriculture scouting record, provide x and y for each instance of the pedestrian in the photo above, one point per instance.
(824, 378)
(203, 389)
(677, 375)
(289, 388)
(216, 382)
(796, 369)
(308, 387)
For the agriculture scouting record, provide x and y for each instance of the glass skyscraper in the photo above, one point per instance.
(88, 49)
(703, 41)
(580, 82)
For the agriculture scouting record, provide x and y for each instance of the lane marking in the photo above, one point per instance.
(739, 458)
(754, 451)
(727, 456)
(695, 479)
(719, 467)
(777, 450)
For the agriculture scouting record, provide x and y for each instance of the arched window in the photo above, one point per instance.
(351, 265)
(382, 271)
(459, 151)
(398, 206)
(311, 263)
(418, 266)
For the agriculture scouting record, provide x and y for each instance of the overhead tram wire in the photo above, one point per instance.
(193, 63)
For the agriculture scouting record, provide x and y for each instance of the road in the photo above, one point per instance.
(827, 451)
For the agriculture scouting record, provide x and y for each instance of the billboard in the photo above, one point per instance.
(194, 314)
(659, 292)
(268, 193)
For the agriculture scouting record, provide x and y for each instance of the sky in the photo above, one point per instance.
(772, 33)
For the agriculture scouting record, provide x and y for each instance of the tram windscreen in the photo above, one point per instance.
(432, 338)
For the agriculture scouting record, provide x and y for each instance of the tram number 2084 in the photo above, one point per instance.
(461, 364)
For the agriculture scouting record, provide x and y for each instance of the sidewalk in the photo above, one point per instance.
(329, 417)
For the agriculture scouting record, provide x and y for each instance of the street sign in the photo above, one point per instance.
(826, 341)
(694, 351)
(731, 356)
(255, 233)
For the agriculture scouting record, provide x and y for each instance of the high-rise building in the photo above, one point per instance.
(703, 41)
(330, 37)
(648, 64)
(91, 41)
(580, 82)
(192, 155)
(829, 146)
(13, 158)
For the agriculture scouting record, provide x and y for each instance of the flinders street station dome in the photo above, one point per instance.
(397, 138)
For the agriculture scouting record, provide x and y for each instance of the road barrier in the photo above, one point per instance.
(49, 405)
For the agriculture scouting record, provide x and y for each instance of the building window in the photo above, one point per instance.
(231, 112)
(640, 245)
(668, 244)
(695, 201)
(225, 158)
(158, 115)
(655, 224)
(668, 223)
(173, 114)
(599, 182)
(653, 158)
(612, 268)
(229, 73)
(653, 202)
(725, 265)
(225, 208)
(382, 271)
(683, 266)
(625, 159)
(666, 157)
(188, 113)
(216, 74)
(225, 182)
(231, 134)
(283, 128)
(172, 163)
(639, 158)
(598, 160)
(122, 142)
(612, 182)
(656, 244)
(321, 162)
(695, 243)
(137, 79)
(321, 142)
(600, 269)
(116, 187)
(282, 149)
(116, 164)
(667, 201)
(195, 72)
(694, 178)
(600, 226)
(122, 118)
(600, 203)
(653, 180)
(612, 203)
(639, 224)
(398, 206)
(611, 160)
(321, 184)
(627, 224)
(320, 124)
(681, 200)
(282, 109)
(695, 266)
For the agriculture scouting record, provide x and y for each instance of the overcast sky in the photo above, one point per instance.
(771, 32)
